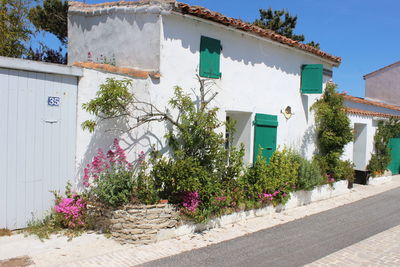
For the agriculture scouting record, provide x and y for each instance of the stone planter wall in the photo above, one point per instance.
(135, 224)
(141, 224)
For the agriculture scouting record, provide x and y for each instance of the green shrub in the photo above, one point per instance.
(114, 187)
(309, 175)
(277, 178)
(378, 163)
(144, 187)
(344, 170)
(332, 129)
(176, 176)
(282, 170)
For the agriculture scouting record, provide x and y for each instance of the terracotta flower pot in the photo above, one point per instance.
(163, 201)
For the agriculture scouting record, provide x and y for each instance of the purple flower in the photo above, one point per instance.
(191, 200)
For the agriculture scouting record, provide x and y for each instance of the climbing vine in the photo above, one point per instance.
(333, 133)
(380, 160)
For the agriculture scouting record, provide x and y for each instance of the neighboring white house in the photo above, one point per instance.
(364, 116)
(383, 85)
(257, 73)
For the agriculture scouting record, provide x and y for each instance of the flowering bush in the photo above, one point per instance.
(109, 176)
(70, 210)
(73, 211)
(191, 200)
(102, 163)
(279, 196)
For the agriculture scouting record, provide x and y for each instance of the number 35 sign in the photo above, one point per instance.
(53, 101)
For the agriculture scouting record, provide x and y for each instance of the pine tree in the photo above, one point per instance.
(52, 17)
(281, 22)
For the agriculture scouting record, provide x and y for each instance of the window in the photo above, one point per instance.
(210, 51)
(311, 79)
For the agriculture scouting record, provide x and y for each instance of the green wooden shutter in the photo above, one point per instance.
(265, 133)
(210, 52)
(311, 78)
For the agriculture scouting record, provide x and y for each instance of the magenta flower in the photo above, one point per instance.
(101, 163)
(191, 200)
(73, 211)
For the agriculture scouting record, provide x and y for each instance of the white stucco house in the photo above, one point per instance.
(257, 73)
(266, 82)
(364, 115)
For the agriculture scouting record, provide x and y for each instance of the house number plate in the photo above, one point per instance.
(53, 101)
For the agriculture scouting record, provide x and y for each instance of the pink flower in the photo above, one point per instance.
(141, 157)
(101, 163)
(191, 200)
(220, 198)
(73, 210)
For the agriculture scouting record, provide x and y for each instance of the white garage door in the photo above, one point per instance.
(37, 142)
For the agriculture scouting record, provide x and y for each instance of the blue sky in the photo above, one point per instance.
(365, 33)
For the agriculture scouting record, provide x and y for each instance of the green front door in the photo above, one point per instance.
(394, 146)
(265, 135)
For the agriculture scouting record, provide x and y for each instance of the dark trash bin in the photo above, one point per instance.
(362, 177)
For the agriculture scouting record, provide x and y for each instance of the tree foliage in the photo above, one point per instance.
(14, 27)
(46, 54)
(281, 22)
(51, 16)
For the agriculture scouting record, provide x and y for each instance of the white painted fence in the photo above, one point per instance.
(37, 137)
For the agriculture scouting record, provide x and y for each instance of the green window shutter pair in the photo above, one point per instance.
(210, 52)
(311, 79)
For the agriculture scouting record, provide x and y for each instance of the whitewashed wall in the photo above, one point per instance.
(133, 142)
(371, 126)
(258, 76)
(131, 36)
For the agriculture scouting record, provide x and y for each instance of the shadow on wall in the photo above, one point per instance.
(86, 23)
(133, 142)
(308, 142)
(235, 46)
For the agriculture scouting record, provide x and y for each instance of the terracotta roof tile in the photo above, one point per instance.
(119, 70)
(236, 23)
(381, 69)
(369, 102)
(205, 13)
(370, 113)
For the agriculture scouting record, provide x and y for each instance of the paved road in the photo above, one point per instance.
(382, 249)
(299, 242)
